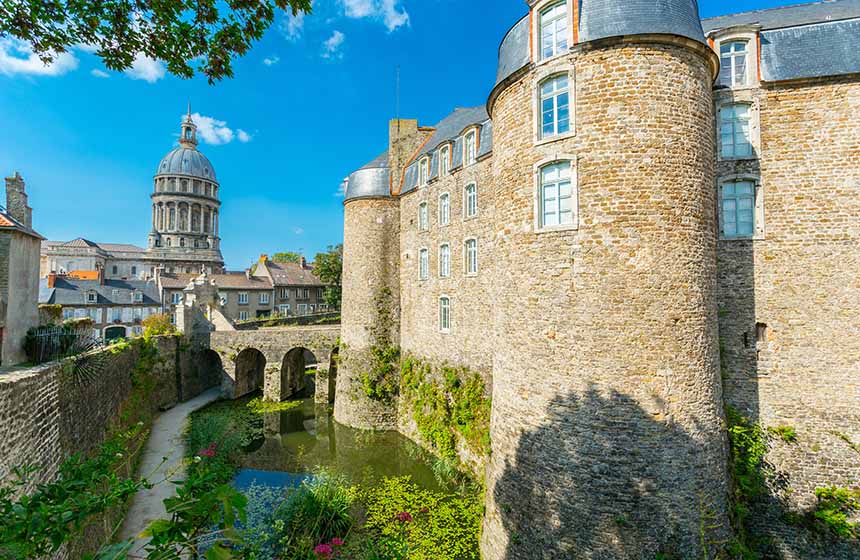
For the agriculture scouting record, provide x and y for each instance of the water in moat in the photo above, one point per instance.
(301, 441)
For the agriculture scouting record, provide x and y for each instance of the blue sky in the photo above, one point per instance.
(308, 104)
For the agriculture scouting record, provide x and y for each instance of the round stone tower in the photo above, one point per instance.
(186, 207)
(606, 423)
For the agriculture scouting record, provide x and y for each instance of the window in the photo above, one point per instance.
(424, 264)
(470, 204)
(138, 297)
(134, 271)
(555, 106)
(68, 313)
(470, 148)
(302, 308)
(182, 242)
(285, 293)
(92, 297)
(284, 309)
(735, 131)
(734, 63)
(423, 217)
(553, 30)
(175, 298)
(444, 160)
(444, 209)
(264, 298)
(243, 315)
(424, 171)
(445, 314)
(137, 331)
(243, 298)
(320, 293)
(445, 260)
(556, 195)
(471, 256)
(115, 270)
(738, 209)
(303, 293)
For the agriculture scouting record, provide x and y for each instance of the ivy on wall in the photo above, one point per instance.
(379, 379)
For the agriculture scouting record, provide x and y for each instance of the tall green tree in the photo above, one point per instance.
(210, 33)
(328, 267)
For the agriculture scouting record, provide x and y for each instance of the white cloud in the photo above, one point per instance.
(332, 45)
(292, 26)
(216, 132)
(17, 57)
(390, 12)
(145, 68)
(298, 231)
(271, 61)
(99, 73)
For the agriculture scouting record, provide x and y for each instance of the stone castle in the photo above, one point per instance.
(655, 217)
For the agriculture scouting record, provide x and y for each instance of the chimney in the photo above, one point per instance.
(405, 138)
(16, 200)
(304, 262)
(52, 279)
(101, 272)
(264, 258)
(248, 273)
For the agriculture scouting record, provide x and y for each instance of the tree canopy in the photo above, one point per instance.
(210, 33)
(287, 257)
(328, 267)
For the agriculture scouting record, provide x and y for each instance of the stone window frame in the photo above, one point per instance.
(424, 171)
(444, 273)
(243, 315)
(446, 195)
(92, 296)
(444, 327)
(562, 67)
(423, 274)
(466, 271)
(751, 35)
(743, 97)
(536, 13)
(476, 130)
(424, 216)
(466, 215)
(450, 148)
(759, 229)
(537, 202)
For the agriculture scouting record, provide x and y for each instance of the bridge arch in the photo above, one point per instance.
(250, 372)
(294, 371)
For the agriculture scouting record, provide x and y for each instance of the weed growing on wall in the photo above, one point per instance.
(747, 449)
(379, 380)
(835, 506)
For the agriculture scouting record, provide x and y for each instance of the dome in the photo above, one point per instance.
(186, 161)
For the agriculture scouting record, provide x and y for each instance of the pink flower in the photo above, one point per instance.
(404, 517)
(323, 550)
(337, 542)
(206, 452)
(425, 510)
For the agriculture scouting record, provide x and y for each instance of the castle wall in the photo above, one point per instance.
(371, 306)
(800, 284)
(606, 391)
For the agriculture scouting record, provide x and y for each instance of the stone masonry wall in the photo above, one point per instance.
(790, 302)
(607, 400)
(371, 306)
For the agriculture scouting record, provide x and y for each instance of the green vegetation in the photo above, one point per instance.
(846, 439)
(328, 267)
(287, 257)
(747, 449)
(179, 33)
(785, 433)
(443, 411)
(380, 381)
(835, 506)
(259, 406)
(157, 325)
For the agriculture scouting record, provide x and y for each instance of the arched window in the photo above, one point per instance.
(172, 218)
(470, 148)
(423, 217)
(556, 196)
(470, 200)
(444, 260)
(445, 314)
(184, 186)
(555, 106)
(734, 63)
(444, 160)
(444, 209)
(553, 30)
(424, 171)
(735, 139)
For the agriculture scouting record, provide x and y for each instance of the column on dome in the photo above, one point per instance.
(207, 220)
(201, 218)
(171, 213)
(154, 217)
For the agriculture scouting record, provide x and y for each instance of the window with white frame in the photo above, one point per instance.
(424, 171)
(738, 209)
(444, 160)
(68, 313)
(445, 260)
(320, 293)
(470, 200)
(243, 298)
(424, 264)
(735, 136)
(556, 196)
(138, 297)
(243, 315)
(553, 30)
(444, 209)
(284, 309)
(470, 148)
(445, 314)
(734, 63)
(175, 298)
(285, 293)
(471, 250)
(92, 297)
(264, 298)
(423, 217)
(302, 308)
(303, 293)
(555, 106)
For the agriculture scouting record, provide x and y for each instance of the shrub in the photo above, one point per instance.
(785, 433)
(835, 505)
(157, 325)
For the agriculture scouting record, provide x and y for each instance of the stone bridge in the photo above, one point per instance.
(276, 360)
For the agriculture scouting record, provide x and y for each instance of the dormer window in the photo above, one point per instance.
(444, 160)
(92, 297)
(424, 171)
(734, 63)
(553, 30)
(138, 297)
(470, 148)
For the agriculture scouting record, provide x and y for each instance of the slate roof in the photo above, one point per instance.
(67, 291)
(292, 274)
(788, 16)
(82, 243)
(370, 181)
(186, 161)
(599, 19)
(228, 281)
